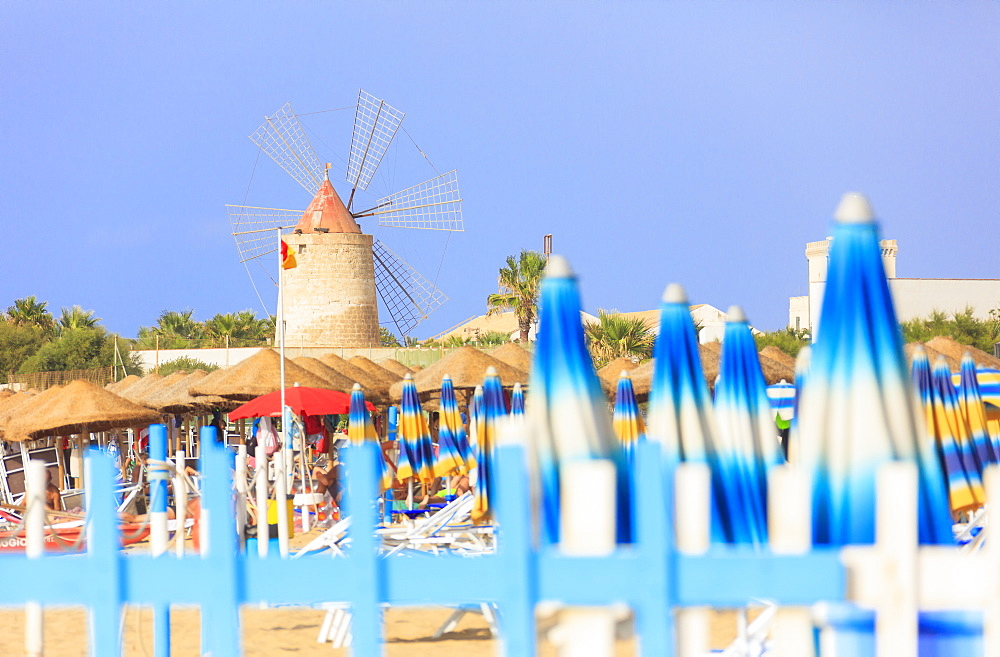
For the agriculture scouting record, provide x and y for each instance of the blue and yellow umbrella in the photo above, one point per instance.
(857, 410)
(416, 451)
(361, 428)
(568, 413)
(453, 447)
(490, 406)
(626, 419)
(748, 443)
(947, 425)
(970, 400)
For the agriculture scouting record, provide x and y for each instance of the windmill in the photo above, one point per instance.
(331, 296)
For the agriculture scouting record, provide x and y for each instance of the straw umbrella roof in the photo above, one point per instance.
(710, 353)
(155, 388)
(339, 381)
(78, 407)
(176, 399)
(513, 354)
(5, 393)
(25, 403)
(954, 349)
(395, 367)
(256, 376)
(375, 369)
(139, 388)
(774, 371)
(369, 382)
(910, 349)
(467, 368)
(609, 373)
(641, 375)
(778, 355)
(9, 405)
(117, 386)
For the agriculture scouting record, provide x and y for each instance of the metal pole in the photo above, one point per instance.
(281, 463)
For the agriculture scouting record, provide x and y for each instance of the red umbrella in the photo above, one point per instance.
(301, 399)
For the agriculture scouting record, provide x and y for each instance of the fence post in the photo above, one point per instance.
(692, 529)
(104, 556)
(789, 519)
(367, 591)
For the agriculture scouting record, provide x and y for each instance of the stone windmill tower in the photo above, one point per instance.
(332, 296)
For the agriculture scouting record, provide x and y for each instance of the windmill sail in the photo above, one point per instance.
(281, 136)
(375, 124)
(255, 229)
(435, 204)
(408, 296)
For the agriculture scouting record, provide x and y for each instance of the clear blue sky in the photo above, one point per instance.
(703, 143)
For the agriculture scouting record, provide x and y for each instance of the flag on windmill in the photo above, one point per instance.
(287, 257)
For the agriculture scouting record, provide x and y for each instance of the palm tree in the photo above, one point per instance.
(519, 284)
(221, 329)
(614, 335)
(31, 312)
(74, 318)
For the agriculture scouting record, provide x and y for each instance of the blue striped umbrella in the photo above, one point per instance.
(747, 434)
(416, 451)
(948, 427)
(453, 447)
(361, 428)
(857, 409)
(680, 408)
(490, 406)
(568, 412)
(973, 408)
(626, 419)
(517, 400)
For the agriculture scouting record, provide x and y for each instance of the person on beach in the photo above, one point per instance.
(53, 498)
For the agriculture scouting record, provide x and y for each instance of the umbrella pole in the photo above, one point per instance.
(281, 483)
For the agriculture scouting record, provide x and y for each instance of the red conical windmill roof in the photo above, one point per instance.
(327, 211)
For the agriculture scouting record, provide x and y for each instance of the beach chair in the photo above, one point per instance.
(449, 529)
(333, 539)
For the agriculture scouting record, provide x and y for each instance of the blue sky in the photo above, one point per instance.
(703, 143)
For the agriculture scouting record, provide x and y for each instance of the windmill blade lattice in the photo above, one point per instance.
(408, 296)
(435, 205)
(281, 136)
(375, 124)
(255, 229)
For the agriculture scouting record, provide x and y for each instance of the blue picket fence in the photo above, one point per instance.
(650, 575)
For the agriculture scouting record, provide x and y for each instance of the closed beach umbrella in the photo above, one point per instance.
(568, 413)
(747, 435)
(453, 446)
(360, 429)
(517, 400)
(416, 452)
(970, 400)
(857, 410)
(680, 407)
(626, 419)
(989, 387)
(489, 410)
(948, 427)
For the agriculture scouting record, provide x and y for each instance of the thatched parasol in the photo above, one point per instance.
(709, 353)
(932, 355)
(79, 407)
(117, 386)
(609, 373)
(395, 367)
(376, 370)
(256, 376)
(369, 382)
(138, 388)
(954, 350)
(514, 355)
(5, 393)
(774, 371)
(338, 381)
(778, 355)
(176, 399)
(9, 405)
(154, 389)
(467, 368)
(641, 375)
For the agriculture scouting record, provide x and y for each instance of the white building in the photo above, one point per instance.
(914, 297)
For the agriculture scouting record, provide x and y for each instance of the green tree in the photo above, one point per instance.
(388, 338)
(615, 335)
(18, 343)
(187, 365)
(75, 349)
(963, 327)
(788, 340)
(491, 339)
(74, 318)
(519, 284)
(31, 312)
